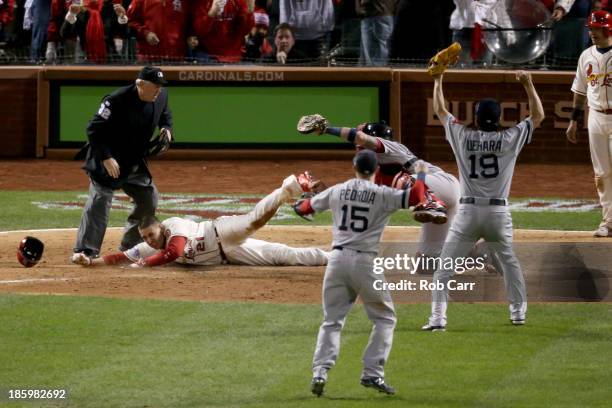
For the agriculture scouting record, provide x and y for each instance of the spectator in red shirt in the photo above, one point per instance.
(220, 27)
(160, 28)
(100, 27)
(6, 12)
(59, 8)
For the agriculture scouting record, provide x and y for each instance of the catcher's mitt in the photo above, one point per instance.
(441, 61)
(159, 145)
(312, 123)
(317, 187)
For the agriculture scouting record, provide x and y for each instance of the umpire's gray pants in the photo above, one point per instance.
(349, 274)
(140, 188)
(494, 224)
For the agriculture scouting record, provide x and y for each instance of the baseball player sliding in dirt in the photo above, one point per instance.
(360, 212)
(223, 240)
(486, 158)
(397, 167)
(592, 82)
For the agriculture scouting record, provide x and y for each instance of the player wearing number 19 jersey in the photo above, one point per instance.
(486, 158)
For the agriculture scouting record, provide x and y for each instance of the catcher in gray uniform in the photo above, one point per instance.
(396, 167)
(360, 212)
(486, 158)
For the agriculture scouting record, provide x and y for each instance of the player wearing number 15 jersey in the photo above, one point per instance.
(486, 158)
(360, 211)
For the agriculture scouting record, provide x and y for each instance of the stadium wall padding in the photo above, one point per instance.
(30, 108)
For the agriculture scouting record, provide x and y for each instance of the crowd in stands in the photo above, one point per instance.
(301, 32)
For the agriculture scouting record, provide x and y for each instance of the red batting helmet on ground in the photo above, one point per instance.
(600, 19)
(30, 251)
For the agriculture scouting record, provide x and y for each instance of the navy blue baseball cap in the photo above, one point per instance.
(488, 113)
(152, 74)
(365, 162)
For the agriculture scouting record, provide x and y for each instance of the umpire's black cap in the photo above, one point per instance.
(152, 74)
(488, 113)
(365, 162)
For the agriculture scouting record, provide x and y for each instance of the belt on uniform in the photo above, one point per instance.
(410, 162)
(604, 111)
(340, 248)
(221, 252)
(483, 201)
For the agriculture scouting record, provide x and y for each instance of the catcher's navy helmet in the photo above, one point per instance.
(30, 251)
(488, 114)
(378, 129)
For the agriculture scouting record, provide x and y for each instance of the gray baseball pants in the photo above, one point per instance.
(494, 224)
(349, 274)
(140, 188)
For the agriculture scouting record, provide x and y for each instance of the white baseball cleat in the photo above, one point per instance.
(292, 187)
(603, 231)
(517, 322)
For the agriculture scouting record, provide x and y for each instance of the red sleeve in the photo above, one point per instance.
(114, 259)
(305, 208)
(266, 48)
(58, 13)
(380, 147)
(203, 22)
(136, 21)
(174, 248)
(245, 20)
(6, 12)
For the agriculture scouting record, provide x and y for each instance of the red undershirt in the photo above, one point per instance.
(174, 249)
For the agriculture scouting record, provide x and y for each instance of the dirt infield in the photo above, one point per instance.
(260, 177)
(54, 275)
(231, 283)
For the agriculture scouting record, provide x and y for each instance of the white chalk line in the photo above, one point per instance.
(288, 227)
(39, 280)
(33, 280)
(50, 230)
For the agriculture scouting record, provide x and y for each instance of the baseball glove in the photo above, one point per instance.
(159, 145)
(441, 61)
(317, 187)
(312, 123)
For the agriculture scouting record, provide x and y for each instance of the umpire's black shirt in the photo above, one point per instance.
(121, 129)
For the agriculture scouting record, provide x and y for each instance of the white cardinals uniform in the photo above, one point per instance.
(226, 239)
(594, 79)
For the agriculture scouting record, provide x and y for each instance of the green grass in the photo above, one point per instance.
(20, 212)
(135, 353)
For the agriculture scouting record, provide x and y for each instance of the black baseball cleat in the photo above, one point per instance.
(317, 385)
(430, 210)
(379, 384)
(429, 327)
(517, 322)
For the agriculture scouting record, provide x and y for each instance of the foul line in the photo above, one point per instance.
(291, 226)
(36, 280)
(51, 230)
